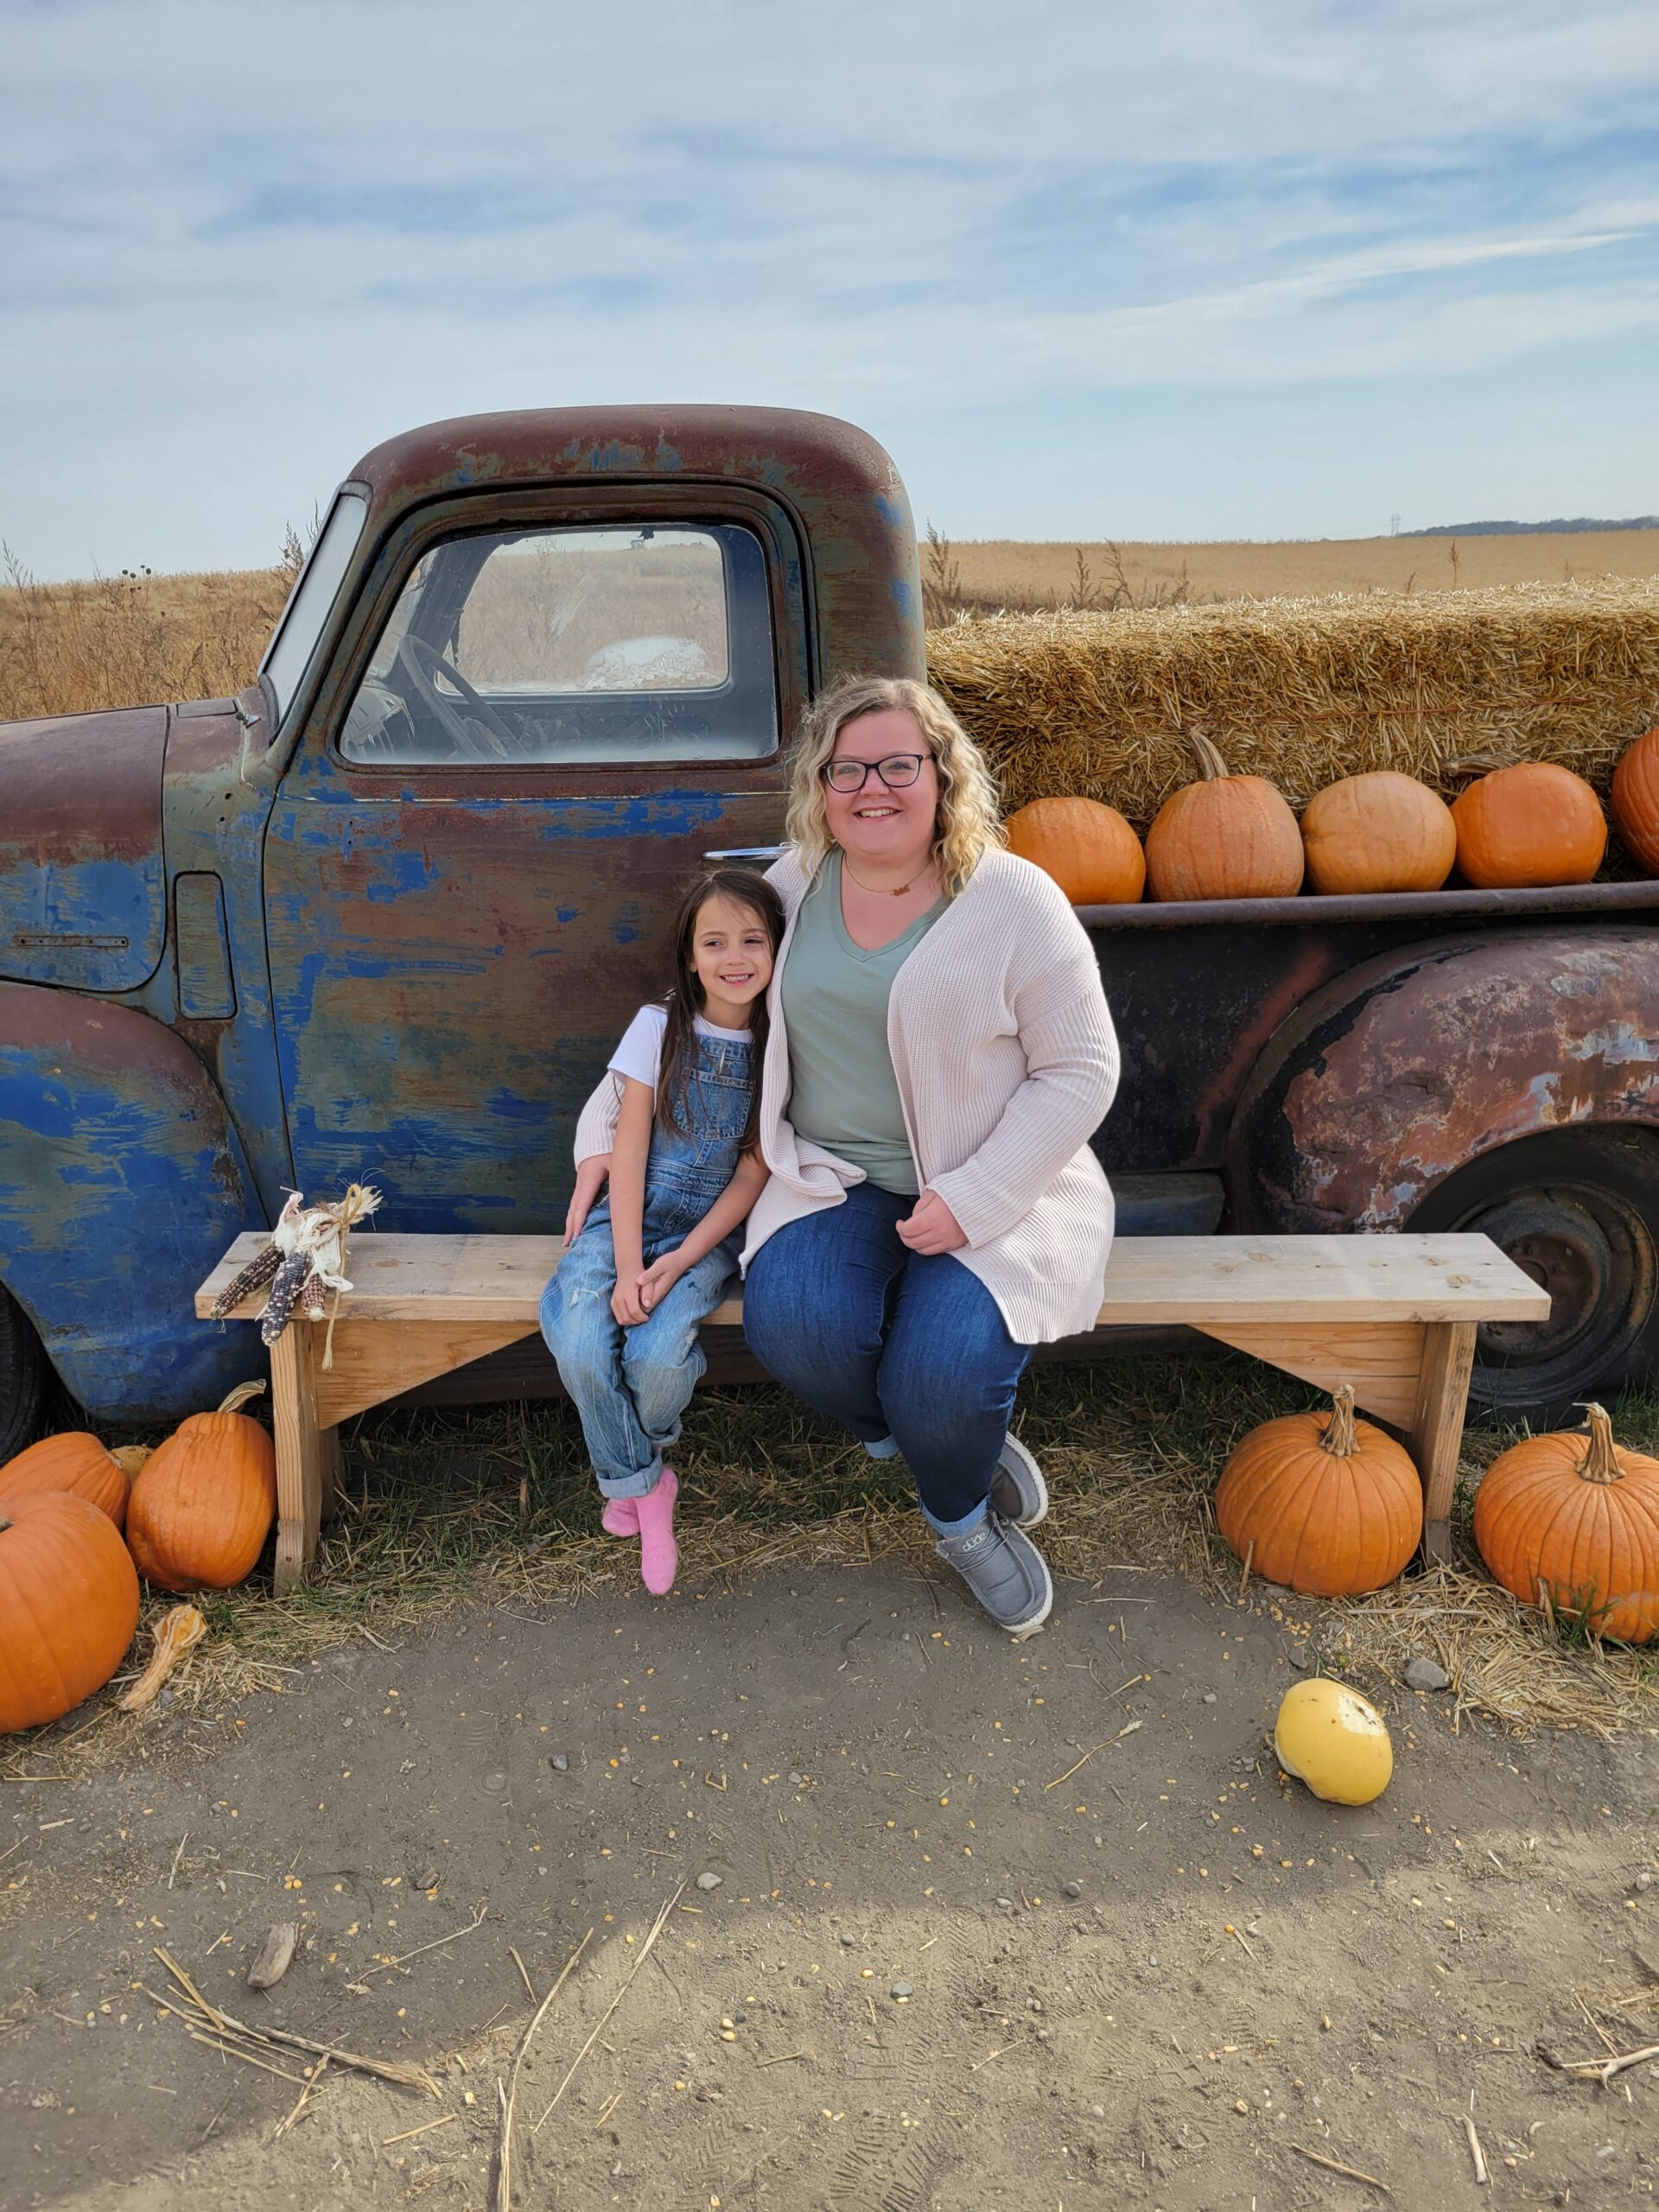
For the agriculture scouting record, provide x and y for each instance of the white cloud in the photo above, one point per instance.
(242, 244)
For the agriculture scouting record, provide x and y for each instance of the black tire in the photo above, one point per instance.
(1579, 1209)
(22, 1378)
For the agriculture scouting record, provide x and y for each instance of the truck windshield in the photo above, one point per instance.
(289, 652)
(647, 643)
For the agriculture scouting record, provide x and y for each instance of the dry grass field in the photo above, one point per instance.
(132, 639)
(126, 639)
(988, 575)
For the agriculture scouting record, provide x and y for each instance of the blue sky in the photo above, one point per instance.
(1237, 268)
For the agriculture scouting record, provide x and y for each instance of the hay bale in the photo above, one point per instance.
(1305, 690)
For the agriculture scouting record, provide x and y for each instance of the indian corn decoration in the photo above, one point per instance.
(304, 1261)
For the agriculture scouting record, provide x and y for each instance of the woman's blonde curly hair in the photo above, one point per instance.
(970, 818)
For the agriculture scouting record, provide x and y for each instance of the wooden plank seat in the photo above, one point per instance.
(1394, 1316)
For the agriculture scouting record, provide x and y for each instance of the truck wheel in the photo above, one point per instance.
(1579, 1209)
(22, 1378)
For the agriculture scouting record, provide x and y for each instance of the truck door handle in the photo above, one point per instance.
(749, 853)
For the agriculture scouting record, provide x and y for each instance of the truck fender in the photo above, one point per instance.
(1399, 1071)
(122, 1181)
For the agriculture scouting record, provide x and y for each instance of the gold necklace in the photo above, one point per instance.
(870, 890)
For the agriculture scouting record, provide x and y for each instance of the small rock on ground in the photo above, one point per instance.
(1427, 1675)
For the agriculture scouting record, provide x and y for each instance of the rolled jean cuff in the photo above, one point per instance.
(637, 1486)
(965, 1526)
(884, 1448)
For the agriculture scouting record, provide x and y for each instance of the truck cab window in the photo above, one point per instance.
(584, 645)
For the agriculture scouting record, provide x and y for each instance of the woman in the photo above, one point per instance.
(938, 1056)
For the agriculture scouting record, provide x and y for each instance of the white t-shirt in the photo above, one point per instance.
(640, 1052)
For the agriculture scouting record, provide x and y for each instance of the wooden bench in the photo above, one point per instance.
(1394, 1316)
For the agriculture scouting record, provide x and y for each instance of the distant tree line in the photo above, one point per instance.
(1562, 523)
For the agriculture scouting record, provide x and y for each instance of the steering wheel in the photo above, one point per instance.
(421, 666)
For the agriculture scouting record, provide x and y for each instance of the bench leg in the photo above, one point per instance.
(1436, 1434)
(332, 1472)
(305, 1457)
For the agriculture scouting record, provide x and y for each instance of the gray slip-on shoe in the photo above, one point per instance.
(1019, 1493)
(1005, 1570)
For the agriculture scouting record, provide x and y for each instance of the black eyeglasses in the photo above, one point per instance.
(898, 770)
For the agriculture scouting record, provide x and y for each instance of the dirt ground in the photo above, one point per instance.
(994, 1925)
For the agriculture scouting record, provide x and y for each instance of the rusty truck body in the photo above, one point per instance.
(384, 913)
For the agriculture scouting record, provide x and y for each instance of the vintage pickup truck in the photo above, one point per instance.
(382, 915)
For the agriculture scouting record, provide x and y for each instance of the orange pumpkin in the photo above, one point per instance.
(1575, 1523)
(74, 1462)
(1225, 836)
(1089, 849)
(1322, 1502)
(1378, 832)
(69, 1605)
(204, 1500)
(1636, 801)
(1528, 827)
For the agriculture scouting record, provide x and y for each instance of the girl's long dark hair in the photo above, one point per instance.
(754, 895)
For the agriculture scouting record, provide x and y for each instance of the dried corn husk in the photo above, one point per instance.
(176, 1633)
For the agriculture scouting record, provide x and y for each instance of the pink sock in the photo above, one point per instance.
(622, 1516)
(659, 1556)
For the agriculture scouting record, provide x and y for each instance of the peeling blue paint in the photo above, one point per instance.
(120, 1186)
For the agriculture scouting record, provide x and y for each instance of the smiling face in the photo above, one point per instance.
(881, 827)
(730, 955)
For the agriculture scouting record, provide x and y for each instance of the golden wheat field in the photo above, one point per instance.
(127, 639)
(991, 574)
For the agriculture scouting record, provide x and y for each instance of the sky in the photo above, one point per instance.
(1226, 269)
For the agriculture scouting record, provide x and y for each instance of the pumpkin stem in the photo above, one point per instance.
(1600, 1462)
(1213, 769)
(4, 1524)
(1477, 763)
(1338, 1438)
(239, 1396)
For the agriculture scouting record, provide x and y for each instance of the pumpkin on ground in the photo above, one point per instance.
(204, 1500)
(1327, 1504)
(1636, 801)
(1378, 832)
(69, 1605)
(1573, 1522)
(1335, 1740)
(74, 1462)
(1225, 836)
(1089, 849)
(1529, 827)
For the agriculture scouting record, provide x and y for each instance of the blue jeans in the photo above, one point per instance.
(890, 1343)
(630, 1385)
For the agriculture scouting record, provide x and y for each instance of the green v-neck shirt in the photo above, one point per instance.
(843, 1094)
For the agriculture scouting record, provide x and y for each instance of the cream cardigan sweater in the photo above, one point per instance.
(1007, 1062)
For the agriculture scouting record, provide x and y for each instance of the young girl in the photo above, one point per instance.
(653, 1258)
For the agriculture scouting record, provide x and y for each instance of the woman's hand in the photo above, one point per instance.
(627, 1305)
(590, 1182)
(932, 1228)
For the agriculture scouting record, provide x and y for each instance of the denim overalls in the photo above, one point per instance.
(631, 1385)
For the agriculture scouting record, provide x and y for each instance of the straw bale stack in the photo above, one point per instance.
(1305, 690)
